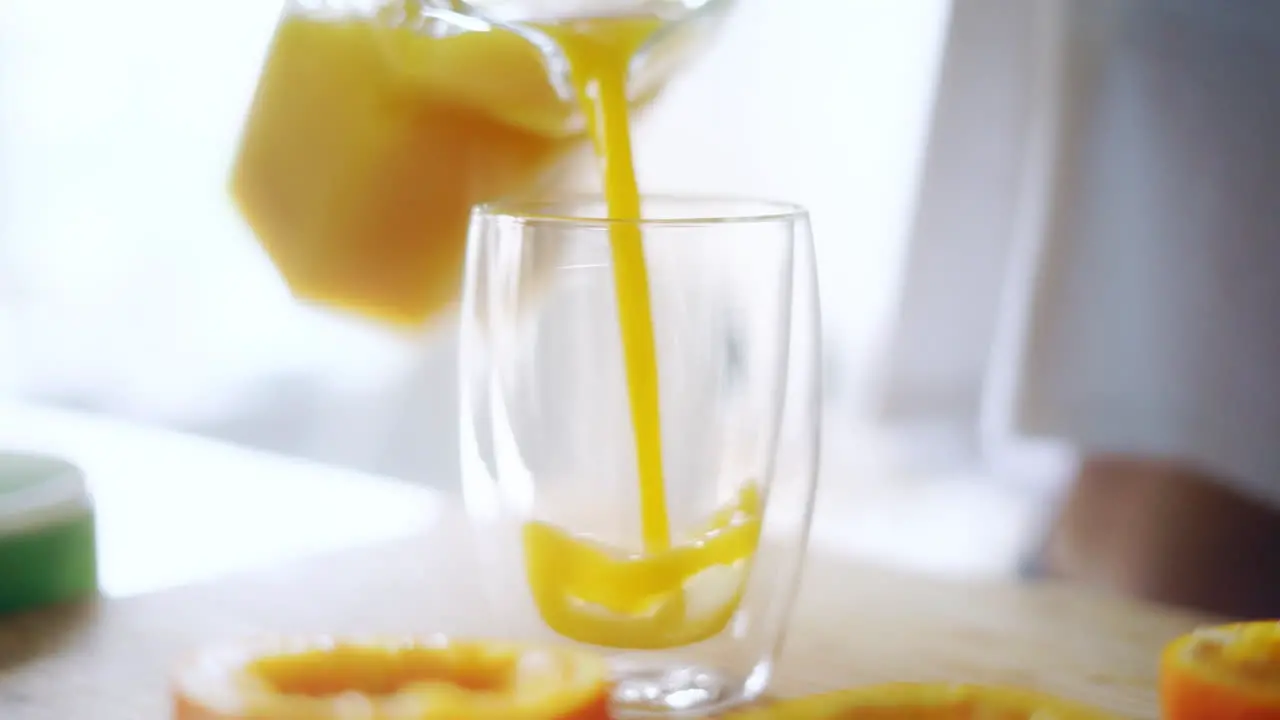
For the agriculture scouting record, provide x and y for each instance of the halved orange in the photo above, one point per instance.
(925, 701)
(432, 678)
(1228, 672)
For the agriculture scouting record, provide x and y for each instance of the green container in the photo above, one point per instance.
(48, 550)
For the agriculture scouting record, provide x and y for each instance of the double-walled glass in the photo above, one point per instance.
(548, 451)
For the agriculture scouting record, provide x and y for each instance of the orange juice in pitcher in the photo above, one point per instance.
(377, 125)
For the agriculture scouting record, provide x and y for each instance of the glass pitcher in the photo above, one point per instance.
(377, 125)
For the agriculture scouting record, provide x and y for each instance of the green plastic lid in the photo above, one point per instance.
(48, 551)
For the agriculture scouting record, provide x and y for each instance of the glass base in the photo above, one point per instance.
(649, 688)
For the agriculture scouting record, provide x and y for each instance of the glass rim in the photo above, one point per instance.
(746, 210)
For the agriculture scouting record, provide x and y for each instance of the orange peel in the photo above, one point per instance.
(1226, 672)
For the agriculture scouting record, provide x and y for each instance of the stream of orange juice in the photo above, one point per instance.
(671, 594)
(364, 151)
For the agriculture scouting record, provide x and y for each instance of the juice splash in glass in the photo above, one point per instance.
(551, 464)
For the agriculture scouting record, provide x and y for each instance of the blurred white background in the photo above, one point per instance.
(130, 287)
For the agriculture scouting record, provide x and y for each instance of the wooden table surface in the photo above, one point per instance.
(854, 624)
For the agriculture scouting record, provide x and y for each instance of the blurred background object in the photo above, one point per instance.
(131, 288)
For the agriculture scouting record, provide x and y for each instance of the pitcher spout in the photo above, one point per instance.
(679, 29)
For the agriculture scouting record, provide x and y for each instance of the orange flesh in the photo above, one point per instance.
(1230, 671)
(454, 681)
(380, 671)
(911, 701)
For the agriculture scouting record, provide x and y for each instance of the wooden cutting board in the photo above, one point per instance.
(854, 624)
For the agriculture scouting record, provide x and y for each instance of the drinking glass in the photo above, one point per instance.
(549, 461)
